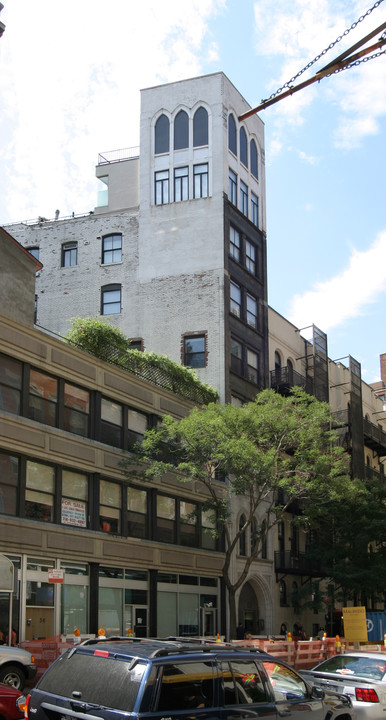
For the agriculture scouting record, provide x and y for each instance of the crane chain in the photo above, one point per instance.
(329, 47)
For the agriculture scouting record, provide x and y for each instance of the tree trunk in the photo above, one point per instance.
(232, 613)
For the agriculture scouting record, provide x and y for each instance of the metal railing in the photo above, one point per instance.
(286, 378)
(113, 156)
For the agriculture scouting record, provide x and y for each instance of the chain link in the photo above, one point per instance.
(358, 62)
(330, 46)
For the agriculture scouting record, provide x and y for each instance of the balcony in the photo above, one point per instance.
(285, 378)
(375, 437)
(300, 564)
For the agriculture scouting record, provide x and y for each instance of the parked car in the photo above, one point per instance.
(8, 699)
(361, 675)
(121, 679)
(16, 666)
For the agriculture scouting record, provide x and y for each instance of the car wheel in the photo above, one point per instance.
(12, 675)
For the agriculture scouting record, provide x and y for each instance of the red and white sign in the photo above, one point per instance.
(55, 576)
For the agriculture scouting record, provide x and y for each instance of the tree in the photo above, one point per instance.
(275, 451)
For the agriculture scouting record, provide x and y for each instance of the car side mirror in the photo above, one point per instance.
(317, 692)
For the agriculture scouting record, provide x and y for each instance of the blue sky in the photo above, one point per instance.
(70, 75)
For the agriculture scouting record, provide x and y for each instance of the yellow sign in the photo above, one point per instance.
(355, 627)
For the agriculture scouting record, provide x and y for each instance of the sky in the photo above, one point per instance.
(70, 80)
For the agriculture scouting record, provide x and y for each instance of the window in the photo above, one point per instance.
(181, 130)
(111, 300)
(232, 187)
(43, 398)
(194, 351)
(250, 257)
(166, 519)
(283, 593)
(136, 513)
(242, 539)
(9, 483)
(10, 384)
(234, 243)
(137, 426)
(252, 366)
(232, 135)
(200, 178)
(112, 248)
(74, 498)
(236, 357)
(34, 251)
(251, 311)
(285, 682)
(181, 184)
(264, 554)
(188, 524)
(200, 127)
(162, 187)
(162, 135)
(111, 422)
(243, 684)
(180, 688)
(255, 209)
(254, 159)
(208, 530)
(243, 147)
(109, 506)
(76, 410)
(243, 198)
(39, 491)
(103, 191)
(69, 254)
(235, 304)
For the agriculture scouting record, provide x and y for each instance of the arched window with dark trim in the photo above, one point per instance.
(200, 127)
(181, 130)
(283, 593)
(162, 135)
(232, 134)
(254, 165)
(242, 541)
(243, 147)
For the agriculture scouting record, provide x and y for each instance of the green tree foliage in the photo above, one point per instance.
(99, 338)
(275, 452)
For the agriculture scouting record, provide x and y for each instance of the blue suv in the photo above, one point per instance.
(122, 679)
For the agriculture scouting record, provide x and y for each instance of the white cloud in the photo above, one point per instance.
(69, 88)
(345, 295)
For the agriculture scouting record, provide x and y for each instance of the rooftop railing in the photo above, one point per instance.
(113, 156)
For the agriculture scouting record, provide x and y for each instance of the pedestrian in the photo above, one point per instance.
(240, 631)
(283, 629)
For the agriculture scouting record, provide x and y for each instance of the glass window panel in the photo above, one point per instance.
(162, 187)
(9, 481)
(166, 613)
(40, 593)
(194, 351)
(250, 257)
(111, 411)
(200, 176)
(181, 184)
(137, 421)
(103, 191)
(200, 127)
(254, 159)
(112, 248)
(248, 683)
(136, 500)
(234, 238)
(166, 507)
(162, 135)
(181, 130)
(251, 311)
(243, 147)
(110, 493)
(232, 187)
(111, 301)
(74, 485)
(110, 610)
(74, 608)
(40, 477)
(188, 512)
(235, 304)
(243, 198)
(39, 506)
(188, 614)
(254, 209)
(237, 349)
(232, 135)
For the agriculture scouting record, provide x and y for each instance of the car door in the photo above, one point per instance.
(182, 691)
(244, 694)
(293, 698)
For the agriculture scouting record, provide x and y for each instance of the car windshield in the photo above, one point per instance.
(352, 666)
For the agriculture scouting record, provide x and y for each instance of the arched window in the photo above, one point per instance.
(200, 127)
(290, 370)
(277, 366)
(243, 147)
(242, 543)
(283, 593)
(254, 159)
(254, 532)
(264, 540)
(232, 135)
(162, 135)
(181, 130)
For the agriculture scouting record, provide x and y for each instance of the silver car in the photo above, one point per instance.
(360, 675)
(16, 666)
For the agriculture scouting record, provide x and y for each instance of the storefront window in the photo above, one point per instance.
(9, 482)
(74, 498)
(110, 610)
(188, 614)
(74, 608)
(166, 613)
(39, 493)
(14, 597)
(136, 512)
(110, 507)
